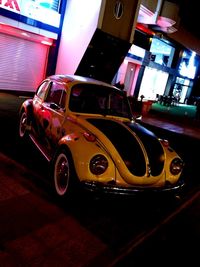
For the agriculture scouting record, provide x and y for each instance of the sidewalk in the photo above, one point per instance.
(189, 128)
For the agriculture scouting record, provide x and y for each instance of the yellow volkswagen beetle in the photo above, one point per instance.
(86, 130)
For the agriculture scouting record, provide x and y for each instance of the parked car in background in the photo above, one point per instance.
(86, 130)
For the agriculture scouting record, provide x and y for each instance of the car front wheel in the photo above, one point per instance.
(62, 173)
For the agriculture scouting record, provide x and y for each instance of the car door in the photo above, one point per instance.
(53, 114)
(38, 109)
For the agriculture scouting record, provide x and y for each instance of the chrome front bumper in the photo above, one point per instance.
(119, 190)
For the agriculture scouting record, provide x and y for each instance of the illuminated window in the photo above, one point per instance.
(161, 52)
(153, 83)
(188, 64)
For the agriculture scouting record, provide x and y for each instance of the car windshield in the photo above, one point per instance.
(98, 99)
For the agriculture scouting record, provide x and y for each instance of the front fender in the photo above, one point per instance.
(82, 152)
(27, 105)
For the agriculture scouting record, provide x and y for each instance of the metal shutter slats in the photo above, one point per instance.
(22, 63)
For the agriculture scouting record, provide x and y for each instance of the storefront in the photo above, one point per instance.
(150, 73)
(23, 63)
(156, 69)
(28, 31)
(186, 73)
(127, 74)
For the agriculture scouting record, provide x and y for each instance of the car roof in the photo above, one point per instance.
(75, 78)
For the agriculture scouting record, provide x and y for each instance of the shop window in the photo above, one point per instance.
(161, 52)
(188, 65)
(181, 88)
(153, 83)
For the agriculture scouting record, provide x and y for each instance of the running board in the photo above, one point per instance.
(47, 157)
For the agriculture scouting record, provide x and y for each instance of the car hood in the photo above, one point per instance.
(137, 146)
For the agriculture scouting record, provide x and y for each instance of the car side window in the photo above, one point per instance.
(56, 94)
(42, 90)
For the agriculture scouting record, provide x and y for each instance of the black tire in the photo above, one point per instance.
(63, 174)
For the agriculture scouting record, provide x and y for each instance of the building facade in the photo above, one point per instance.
(126, 41)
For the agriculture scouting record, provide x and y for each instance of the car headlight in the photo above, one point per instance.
(176, 166)
(98, 164)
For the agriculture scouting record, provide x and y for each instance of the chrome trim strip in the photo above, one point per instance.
(48, 158)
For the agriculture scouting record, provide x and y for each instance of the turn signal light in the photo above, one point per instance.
(89, 137)
(164, 142)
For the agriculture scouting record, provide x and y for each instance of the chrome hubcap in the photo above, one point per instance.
(61, 174)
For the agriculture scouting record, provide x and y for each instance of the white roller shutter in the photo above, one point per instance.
(22, 63)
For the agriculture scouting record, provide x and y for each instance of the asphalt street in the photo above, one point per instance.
(36, 230)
